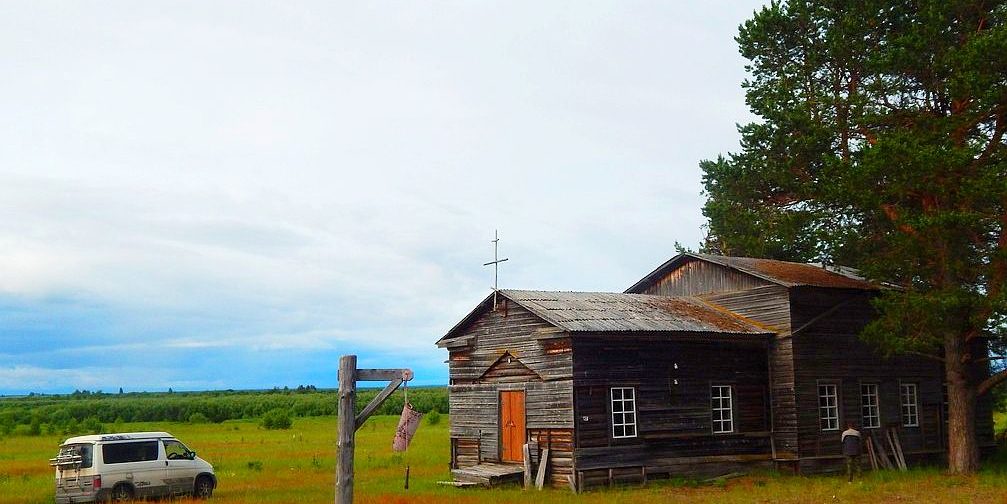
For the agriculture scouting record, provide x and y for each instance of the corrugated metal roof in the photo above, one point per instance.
(613, 312)
(794, 274)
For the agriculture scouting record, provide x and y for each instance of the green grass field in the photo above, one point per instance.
(297, 466)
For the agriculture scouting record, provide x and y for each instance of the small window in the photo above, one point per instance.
(175, 450)
(910, 410)
(869, 409)
(828, 406)
(623, 412)
(120, 453)
(722, 405)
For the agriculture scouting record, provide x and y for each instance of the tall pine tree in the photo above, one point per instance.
(880, 145)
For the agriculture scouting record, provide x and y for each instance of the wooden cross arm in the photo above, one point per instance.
(396, 378)
(384, 374)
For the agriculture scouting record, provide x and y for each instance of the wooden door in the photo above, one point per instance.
(512, 433)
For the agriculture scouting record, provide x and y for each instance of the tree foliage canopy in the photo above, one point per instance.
(880, 145)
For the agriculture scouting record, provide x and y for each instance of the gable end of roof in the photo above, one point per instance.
(783, 273)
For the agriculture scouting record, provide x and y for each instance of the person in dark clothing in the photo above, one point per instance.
(851, 449)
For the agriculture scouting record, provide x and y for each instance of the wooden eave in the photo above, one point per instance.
(464, 322)
(756, 338)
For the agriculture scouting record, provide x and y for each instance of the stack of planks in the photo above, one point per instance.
(559, 442)
(879, 456)
(537, 475)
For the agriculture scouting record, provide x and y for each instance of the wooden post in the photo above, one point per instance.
(870, 453)
(347, 428)
(527, 466)
(543, 464)
(349, 421)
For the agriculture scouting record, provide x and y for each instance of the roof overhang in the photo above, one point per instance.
(686, 316)
(783, 273)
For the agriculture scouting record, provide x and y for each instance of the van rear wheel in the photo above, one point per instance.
(204, 487)
(122, 493)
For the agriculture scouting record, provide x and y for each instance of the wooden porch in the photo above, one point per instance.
(489, 474)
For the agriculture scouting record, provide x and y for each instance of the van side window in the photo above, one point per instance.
(120, 453)
(175, 450)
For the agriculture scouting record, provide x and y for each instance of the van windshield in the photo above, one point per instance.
(84, 451)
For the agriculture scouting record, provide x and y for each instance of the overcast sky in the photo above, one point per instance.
(208, 195)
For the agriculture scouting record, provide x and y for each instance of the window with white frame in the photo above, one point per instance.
(910, 409)
(623, 412)
(870, 412)
(722, 406)
(828, 406)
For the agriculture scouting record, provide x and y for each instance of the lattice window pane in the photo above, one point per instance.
(869, 405)
(722, 408)
(828, 406)
(910, 409)
(623, 412)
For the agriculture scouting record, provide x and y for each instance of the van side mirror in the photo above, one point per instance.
(191, 455)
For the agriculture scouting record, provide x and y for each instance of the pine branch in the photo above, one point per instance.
(991, 382)
(925, 355)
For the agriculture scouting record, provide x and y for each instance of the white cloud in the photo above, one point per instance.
(318, 176)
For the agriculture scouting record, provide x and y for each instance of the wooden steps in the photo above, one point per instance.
(489, 474)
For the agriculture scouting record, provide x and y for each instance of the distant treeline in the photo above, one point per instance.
(95, 412)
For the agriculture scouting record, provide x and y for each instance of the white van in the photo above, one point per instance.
(121, 467)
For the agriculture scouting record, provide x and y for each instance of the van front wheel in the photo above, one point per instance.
(204, 487)
(122, 493)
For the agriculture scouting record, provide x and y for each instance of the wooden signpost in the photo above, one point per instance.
(349, 375)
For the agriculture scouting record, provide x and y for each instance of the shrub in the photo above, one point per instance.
(434, 417)
(91, 425)
(198, 418)
(276, 418)
(7, 422)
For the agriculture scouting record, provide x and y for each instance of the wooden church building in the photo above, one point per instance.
(705, 366)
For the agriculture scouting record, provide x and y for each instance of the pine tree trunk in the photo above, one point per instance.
(963, 447)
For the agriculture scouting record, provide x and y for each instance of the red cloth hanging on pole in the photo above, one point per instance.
(408, 423)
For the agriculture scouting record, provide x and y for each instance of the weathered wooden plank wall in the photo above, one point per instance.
(830, 351)
(674, 420)
(509, 329)
(474, 419)
(767, 306)
(700, 277)
(505, 351)
(770, 307)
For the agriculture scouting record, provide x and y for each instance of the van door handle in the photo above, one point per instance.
(166, 463)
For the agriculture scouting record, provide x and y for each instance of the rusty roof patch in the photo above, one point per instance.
(703, 312)
(794, 274)
(787, 274)
(612, 312)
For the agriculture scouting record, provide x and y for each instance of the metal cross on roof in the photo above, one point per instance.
(495, 262)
